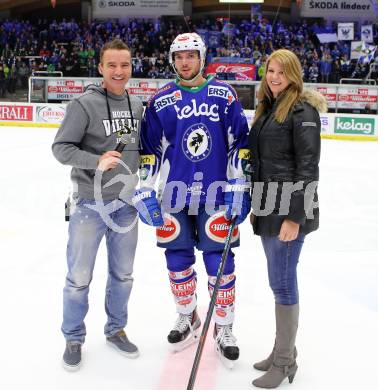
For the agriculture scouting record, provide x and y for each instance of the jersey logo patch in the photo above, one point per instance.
(197, 143)
(167, 100)
(217, 227)
(169, 231)
(221, 92)
(147, 159)
(203, 109)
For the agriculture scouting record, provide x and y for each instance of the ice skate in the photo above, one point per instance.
(185, 332)
(225, 345)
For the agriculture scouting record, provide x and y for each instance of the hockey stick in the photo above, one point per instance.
(206, 325)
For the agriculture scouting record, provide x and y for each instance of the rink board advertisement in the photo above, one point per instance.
(349, 97)
(31, 114)
(49, 113)
(124, 8)
(68, 89)
(339, 126)
(16, 112)
(337, 95)
(142, 89)
(64, 89)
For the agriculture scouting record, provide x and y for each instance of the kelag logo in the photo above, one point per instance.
(354, 125)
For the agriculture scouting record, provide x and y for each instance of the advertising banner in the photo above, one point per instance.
(338, 126)
(349, 97)
(241, 71)
(338, 9)
(64, 89)
(330, 94)
(49, 113)
(10, 112)
(326, 122)
(358, 98)
(142, 89)
(121, 9)
(356, 125)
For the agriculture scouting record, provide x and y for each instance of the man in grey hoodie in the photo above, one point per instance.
(103, 182)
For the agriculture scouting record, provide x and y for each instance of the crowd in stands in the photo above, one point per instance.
(72, 47)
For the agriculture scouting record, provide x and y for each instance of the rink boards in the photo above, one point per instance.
(337, 126)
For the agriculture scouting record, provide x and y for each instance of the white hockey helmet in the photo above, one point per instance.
(188, 41)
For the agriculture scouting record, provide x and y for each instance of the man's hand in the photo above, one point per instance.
(289, 230)
(109, 160)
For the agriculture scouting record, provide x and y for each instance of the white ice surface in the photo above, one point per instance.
(338, 280)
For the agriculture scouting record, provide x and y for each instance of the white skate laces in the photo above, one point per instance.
(224, 336)
(183, 322)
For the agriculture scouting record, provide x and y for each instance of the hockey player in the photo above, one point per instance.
(194, 133)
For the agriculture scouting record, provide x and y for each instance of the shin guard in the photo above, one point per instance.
(224, 305)
(183, 286)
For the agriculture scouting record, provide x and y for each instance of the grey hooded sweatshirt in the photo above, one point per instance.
(87, 132)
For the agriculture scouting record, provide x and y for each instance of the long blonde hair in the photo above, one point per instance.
(291, 95)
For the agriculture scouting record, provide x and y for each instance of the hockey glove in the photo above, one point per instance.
(237, 200)
(145, 202)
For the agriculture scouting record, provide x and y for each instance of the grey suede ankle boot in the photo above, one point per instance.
(284, 364)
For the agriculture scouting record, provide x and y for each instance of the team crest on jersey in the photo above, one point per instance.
(169, 231)
(217, 227)
(196, 142)
(167, 100)
(221, 92)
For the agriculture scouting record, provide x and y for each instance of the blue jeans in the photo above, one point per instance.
(116, 221)
(282, 259)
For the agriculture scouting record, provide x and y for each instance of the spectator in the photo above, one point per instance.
(325, 68)
(12, 79)
(313, 73)
(2, 81)
(92, 67)
(59, 41)
(23, 74)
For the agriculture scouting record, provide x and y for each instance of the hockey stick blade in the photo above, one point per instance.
(206, 325)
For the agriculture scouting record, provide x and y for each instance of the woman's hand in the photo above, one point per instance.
(289, 230)
(251, 218)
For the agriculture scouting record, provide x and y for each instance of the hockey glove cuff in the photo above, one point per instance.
(237, 200)
(145, 202)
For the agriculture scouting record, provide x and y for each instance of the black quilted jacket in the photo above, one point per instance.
(285, 170)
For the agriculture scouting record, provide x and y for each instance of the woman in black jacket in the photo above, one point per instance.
(285, 149)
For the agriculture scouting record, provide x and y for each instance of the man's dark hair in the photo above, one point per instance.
(115, 44)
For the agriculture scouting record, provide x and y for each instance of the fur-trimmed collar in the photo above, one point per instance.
(315, 99)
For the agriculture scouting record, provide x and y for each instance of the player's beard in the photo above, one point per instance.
(192, 75)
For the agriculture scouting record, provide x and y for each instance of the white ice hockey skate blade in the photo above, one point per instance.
(229, 364)
(191, 339)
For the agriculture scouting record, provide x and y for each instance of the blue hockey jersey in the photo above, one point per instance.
(196, 138)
